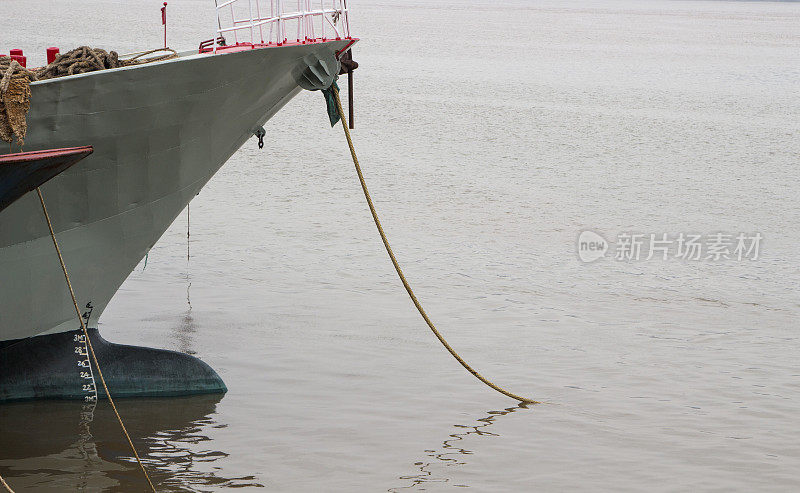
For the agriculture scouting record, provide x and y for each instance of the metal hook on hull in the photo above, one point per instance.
(260, 133)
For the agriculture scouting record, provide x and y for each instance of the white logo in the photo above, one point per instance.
(591, 246)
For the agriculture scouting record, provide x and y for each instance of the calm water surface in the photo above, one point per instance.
(491, 134)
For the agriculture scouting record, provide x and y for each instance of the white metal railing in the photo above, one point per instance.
(281, 21)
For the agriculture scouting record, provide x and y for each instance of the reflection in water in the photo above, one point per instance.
(188, 257)
(450, 453)
(187, 328)
(184, 333)
(39, 449)
(85, 443)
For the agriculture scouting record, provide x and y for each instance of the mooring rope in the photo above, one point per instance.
(400, 272)
(5, 485)
(135, 59)
(88, 341)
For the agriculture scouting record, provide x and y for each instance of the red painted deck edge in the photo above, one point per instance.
(24, 157)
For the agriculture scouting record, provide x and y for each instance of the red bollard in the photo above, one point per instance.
(20, 59)
(52, 53)
(16, 51)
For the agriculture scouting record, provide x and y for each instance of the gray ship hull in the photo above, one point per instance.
(160, 131)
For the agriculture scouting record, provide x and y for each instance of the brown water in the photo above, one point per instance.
(492, 134)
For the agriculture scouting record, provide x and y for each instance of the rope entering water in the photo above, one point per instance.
(89, 342)
(400, 272)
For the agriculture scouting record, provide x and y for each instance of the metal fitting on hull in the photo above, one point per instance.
(321, 69)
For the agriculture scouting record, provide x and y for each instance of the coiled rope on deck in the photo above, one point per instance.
(88, 341)
(15, 100)
(15, 80)
(86, 59)
(400, 271)
(79, 61)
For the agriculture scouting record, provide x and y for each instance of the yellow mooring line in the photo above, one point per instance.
(400, 272)
(89, 342)
(5, 485)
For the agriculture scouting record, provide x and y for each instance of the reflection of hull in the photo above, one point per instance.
(172, 436)
(23, 172)
(38, 429)
(160, 131)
